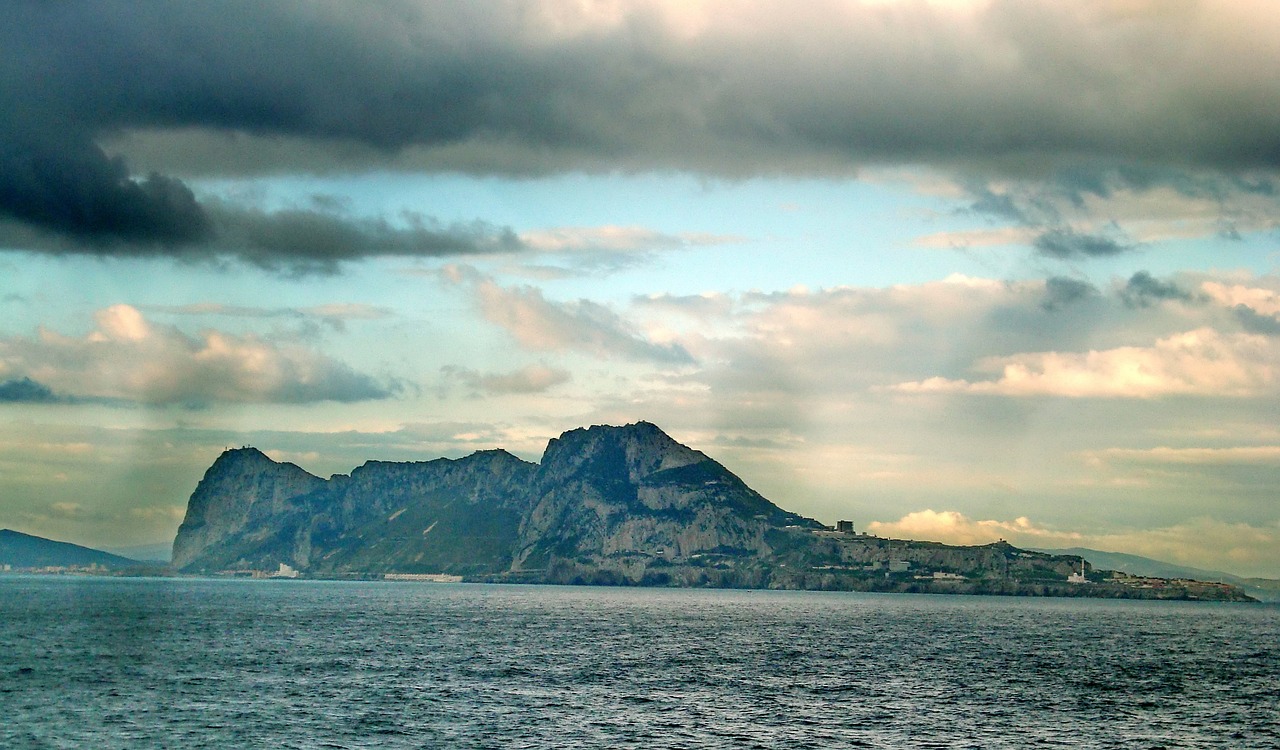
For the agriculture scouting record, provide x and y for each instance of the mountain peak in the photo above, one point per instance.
(599, 492)
(241, 484)
(632, 451)
(243, 454)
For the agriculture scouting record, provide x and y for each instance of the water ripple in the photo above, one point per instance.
(110, 663)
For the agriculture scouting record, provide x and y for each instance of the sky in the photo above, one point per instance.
(959, 271)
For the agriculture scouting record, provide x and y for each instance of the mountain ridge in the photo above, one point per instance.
(600, 490)
(605, 505)
(27, 551)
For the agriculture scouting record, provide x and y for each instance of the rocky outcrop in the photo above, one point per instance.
(241, 497)
(616, 498)
(612, 505)
(250, 512)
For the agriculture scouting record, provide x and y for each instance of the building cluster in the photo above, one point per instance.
(842, 529)
(284, 571)
(57, 570)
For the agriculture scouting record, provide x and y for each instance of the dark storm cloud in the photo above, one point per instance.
(1068, 244)
(1001, 205)
(310, 239)
(518, 87)
(303, 240)
(1060, 292)
(1254, 322)
(73, 188)
(659, 83)
(1145, 290)
(26, 391)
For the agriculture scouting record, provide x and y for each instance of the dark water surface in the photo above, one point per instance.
(128, 663)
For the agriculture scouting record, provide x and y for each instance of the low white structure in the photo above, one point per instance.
(285, 571)
(428, 577)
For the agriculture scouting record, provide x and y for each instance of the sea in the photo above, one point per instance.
(188, 663)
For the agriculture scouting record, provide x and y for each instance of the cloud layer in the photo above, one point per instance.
(1145, 92)
(1200, 362)
(130, 359)
(1200, 541)
(543, 325)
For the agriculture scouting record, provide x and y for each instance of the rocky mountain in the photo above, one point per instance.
(608, 498)
(240, 502)
(24, 551)
(621, 499)
(249, 512)
(607, 505)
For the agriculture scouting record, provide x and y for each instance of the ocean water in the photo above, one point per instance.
(133, 663)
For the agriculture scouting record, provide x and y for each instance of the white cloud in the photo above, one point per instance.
(977, 237)
(611, 238)
(953, 527)
(1240, 548)
(159, 514)
(1265, 455)
(1203, 542)
(543, 325)
(525, 380)
(1260, 300)
(1199, 362)
(128, 358)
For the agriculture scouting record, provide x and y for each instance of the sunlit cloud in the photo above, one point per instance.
(543, 325)
(953, 527)
(131, 359)
(1200, 362)
(1233, 547)
(1265, 455)
(1261, 300)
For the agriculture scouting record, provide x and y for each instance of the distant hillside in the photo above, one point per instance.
(1263, 589)
(26, 551)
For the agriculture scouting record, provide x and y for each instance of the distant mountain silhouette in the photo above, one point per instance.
(26, 551)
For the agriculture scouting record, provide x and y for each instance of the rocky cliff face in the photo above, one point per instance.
(620, 499)
(621, 505)
(241, 495)
(617, 498)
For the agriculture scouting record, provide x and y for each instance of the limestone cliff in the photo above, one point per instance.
(432, 516)
(617, 498)
(242, 495)
(621, 498)
(617, 505)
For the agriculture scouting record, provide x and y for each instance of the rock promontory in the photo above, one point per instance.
(605, 505)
